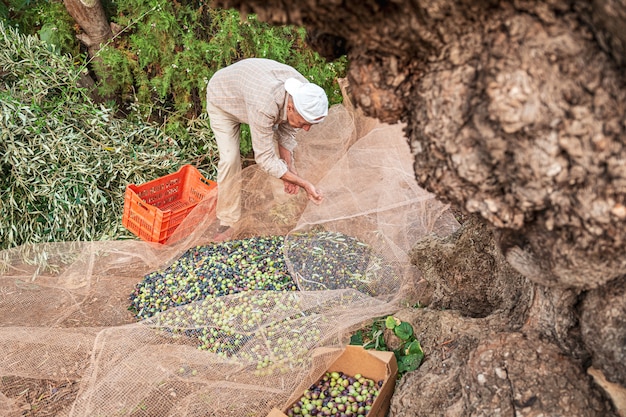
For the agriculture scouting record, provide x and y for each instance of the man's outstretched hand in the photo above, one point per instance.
(313, 194)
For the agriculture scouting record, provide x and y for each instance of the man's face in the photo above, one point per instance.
(294, 119)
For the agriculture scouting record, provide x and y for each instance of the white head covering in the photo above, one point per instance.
(310, 100)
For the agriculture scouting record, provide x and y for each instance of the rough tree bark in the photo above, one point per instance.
(515, 112)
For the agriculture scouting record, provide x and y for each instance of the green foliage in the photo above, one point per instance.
(409, 354)
(4, 13)
(64, 162)
(46, 18)
(170, 50)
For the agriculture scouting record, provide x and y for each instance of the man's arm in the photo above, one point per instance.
(287, 156)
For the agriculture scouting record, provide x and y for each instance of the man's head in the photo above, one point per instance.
(309, 99)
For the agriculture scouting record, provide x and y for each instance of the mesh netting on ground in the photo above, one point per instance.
(202, 328)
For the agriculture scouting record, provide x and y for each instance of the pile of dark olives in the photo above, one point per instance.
(214, 270)
(320, 260)
(326, 260)
(187, 295)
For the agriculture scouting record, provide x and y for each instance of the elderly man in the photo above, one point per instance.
(276, 101)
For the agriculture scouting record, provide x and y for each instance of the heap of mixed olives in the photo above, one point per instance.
(187, 294)
(321, 260)
(339, 395)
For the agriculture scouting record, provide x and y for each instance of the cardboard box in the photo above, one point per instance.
(372, 364)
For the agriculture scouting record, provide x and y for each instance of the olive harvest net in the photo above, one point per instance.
(196, 327)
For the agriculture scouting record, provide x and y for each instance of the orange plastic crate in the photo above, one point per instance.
(153, 210)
